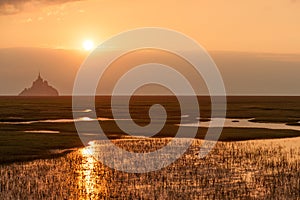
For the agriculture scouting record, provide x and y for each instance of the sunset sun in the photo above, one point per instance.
(88, 45)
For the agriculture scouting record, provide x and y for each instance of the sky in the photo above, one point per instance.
(248, 25)
(253, 36)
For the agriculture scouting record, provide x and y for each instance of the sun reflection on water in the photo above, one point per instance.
(91, 183)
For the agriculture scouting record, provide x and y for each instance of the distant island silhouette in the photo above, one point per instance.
(40, 87)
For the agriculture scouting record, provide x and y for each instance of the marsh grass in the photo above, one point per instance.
(268, 169)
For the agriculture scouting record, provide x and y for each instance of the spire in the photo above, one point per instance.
(39, 78)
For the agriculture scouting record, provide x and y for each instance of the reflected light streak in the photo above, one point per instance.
(91, 183)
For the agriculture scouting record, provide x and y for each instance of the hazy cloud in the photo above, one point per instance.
(9, 7)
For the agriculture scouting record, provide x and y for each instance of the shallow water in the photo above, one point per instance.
(246, 170)
(243, 123)
(233, 123)
(41, 131)
(81, 119)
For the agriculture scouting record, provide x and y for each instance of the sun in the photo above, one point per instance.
(88, 45)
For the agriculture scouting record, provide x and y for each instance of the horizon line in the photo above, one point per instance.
(208, 50)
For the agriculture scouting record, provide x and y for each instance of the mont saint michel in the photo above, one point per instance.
(40, 87)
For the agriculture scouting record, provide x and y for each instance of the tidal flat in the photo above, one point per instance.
(32, 127)
(257, 155)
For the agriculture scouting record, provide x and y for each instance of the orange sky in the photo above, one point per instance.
(248, 25)
(236, 32)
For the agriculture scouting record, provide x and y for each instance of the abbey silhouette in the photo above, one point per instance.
(39, 87)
